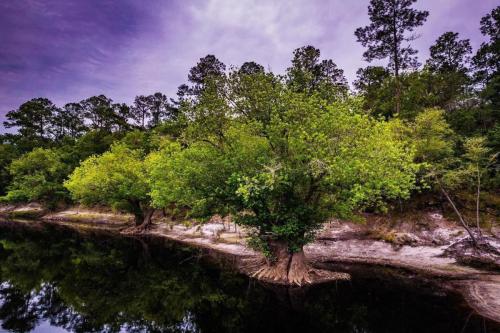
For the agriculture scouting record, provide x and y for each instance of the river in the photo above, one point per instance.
(57, 280)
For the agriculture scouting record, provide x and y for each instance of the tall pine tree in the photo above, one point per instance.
(387, 36)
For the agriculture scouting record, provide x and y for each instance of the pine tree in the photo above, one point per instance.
(387, 36)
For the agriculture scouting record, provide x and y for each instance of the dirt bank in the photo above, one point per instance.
(346, 248)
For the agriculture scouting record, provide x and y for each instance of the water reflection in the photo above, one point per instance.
(55, 278)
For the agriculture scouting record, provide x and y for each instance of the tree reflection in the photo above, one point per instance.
(102, 283)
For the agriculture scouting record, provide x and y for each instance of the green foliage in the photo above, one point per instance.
(68, 122)
(141, 140)
(419, 90)
(369, 84)
(262, 246)
(116, 178)
(33, 119)
(103, 114)
(432, 136)
(94, 142)
(435, 145)
(208, 68)
(38, 176)
(8, 153)
(478, 159)
(449, 54)
(150, 111)
(197, 176)
(487, 58)
(487, 74)
(494, 138)
(476, 151)
(434, 142)
(308, 75)
(285, 170)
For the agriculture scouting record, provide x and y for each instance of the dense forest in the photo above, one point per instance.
(282, 153)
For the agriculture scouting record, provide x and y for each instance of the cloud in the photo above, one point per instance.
(67, 50)
(237, 31)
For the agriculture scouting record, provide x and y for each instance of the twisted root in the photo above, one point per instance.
(290, 269)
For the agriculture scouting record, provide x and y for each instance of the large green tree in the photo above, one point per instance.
(149, 111)
(38, 176)
(449, 54)
(282, 173)
(207, 67)
(102, 114)
(69, 122)
(444, 170)
(371, 83)
(117, 178)
(389, 35)
(33, 119)
(448, 64)
(487, 66)
(309, 75)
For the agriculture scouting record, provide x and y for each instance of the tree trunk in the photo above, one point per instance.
(276, 267)
(142, 216)
(138, 218)
(398, 96)
(462, 221)
(299, 269)
(477, 200)
(147, 220)
(396, 60)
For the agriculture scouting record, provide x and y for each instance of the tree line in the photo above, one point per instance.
(280, 153)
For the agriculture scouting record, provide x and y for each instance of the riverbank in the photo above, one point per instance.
(344, 247)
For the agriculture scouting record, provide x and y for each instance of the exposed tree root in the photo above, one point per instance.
(290, 269)
(143, 223)
(137, 229)
(485, 253)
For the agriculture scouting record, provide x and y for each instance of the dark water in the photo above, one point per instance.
(55, 280)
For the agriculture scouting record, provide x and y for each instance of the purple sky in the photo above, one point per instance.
(67, 50)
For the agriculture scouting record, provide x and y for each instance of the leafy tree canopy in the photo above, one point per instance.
(449, 54)
(38, 176)
(309, 75)
(117, 178)
(33, 119)
(303, 161)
